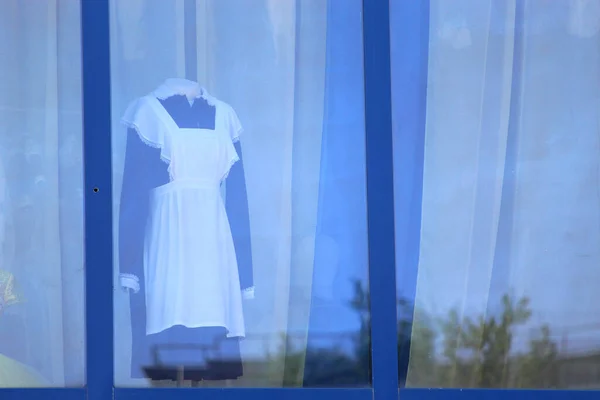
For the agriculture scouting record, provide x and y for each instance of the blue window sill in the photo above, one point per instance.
(44, 394)
(495, 394)
(246, 394)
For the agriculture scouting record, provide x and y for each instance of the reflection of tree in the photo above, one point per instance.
(539, 367)
(335, 367)
(480, 353)
(455, 351)
(416, 343)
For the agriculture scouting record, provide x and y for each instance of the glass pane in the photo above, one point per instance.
(506, 291)
(239, 184)
(41, 198)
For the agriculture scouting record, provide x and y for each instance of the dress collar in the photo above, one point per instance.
(182, 87)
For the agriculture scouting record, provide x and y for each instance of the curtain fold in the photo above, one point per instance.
(309, 113)
(41, 149)
(510, 219)
(70, 184)
(340, 243)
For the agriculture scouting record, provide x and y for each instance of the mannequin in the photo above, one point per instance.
(185, 255)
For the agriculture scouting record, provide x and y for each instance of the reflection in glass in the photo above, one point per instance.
(239, 173)
(41, 199)
(506, 289)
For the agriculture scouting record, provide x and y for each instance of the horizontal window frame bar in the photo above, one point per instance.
(43, 394)
(496, 394)
(247, 394)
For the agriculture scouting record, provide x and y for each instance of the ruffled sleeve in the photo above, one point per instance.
(143, 116)
(234, 124)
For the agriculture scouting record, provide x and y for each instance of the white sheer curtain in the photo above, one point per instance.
(510, 193)
(265, 58)
(41, 154)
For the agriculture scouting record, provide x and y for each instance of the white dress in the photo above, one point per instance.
(190, 268)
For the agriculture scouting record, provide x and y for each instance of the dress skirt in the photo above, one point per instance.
(190, 266)
(191, 299)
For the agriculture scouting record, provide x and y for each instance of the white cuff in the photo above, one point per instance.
(248, 293)
(130, 281)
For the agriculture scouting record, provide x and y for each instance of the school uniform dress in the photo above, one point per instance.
(184, 251)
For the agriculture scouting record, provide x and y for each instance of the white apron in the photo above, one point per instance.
(190, 266)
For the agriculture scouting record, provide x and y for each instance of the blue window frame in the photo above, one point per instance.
(408, 56)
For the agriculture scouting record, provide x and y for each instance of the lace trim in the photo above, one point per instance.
(145, 140)
(248, 293)
(231, 163)
(180, 86)
(131, 276)
(150, 143)
(130, 281)
(236, 136)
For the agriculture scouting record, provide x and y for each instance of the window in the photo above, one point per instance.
(500, 230)
(42, 336)
(240, 198)
(298, 199)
